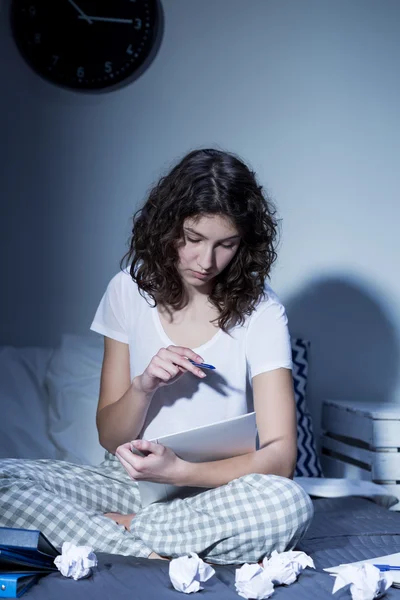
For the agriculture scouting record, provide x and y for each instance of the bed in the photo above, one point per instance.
(44, 390)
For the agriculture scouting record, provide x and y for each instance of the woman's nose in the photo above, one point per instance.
(206, 259)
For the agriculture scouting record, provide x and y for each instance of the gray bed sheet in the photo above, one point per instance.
(343, 530)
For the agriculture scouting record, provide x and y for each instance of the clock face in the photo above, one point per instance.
(86, 44)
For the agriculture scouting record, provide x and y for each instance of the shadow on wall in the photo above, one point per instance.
(355, 350)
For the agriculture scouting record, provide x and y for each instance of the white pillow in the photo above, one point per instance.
(23, 423)
(73, 384)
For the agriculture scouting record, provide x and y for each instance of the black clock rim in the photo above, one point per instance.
(152, 47)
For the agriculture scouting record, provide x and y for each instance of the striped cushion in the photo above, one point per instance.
(308, 464)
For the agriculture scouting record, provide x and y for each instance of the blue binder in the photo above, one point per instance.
(27, 539)
(14, 585)
(26, 551)
(18, 561)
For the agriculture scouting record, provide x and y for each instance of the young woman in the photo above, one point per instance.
(193, 288)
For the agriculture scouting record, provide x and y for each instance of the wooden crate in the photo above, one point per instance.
(362, 441)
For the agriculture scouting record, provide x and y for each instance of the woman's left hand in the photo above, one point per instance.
(160, 464)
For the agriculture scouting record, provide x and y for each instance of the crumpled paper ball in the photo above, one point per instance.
(283, 568)
(75, 561)
(187, 572)
(366, 581)
(252, 581)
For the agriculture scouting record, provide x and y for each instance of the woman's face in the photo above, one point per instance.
(209, 244)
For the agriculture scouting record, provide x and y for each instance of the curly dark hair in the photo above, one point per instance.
(204, 182)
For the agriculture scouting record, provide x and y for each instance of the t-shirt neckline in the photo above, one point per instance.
(169, 342)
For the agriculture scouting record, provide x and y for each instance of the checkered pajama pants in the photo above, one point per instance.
(242, 521)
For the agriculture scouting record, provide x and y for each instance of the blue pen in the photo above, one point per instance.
(201, 365)
(388, 567)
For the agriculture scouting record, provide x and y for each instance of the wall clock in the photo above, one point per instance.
(87, 44)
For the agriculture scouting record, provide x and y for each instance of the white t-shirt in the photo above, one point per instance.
(261, 344)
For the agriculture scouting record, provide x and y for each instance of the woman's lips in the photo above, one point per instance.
(200, 275)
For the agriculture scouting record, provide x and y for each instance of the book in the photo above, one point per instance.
(14, 585)
(25, 551)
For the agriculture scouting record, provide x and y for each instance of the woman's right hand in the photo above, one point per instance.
(167, 366)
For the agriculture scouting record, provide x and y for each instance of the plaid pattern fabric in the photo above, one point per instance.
(239, 522)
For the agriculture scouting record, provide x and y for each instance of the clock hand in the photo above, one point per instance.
(109, 19)
(81, 13)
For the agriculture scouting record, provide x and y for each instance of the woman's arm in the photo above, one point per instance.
(123, 405)
(275, 409)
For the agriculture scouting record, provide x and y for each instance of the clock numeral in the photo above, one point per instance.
(55, 59)
(37, 38)
(108, 66)
(32, 10)
(138, 24)
(129, 49)
(80, 72)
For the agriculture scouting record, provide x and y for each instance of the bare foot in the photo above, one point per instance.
(124, 520)
(155, 555)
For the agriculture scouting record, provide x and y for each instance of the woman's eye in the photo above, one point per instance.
(227, 246)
